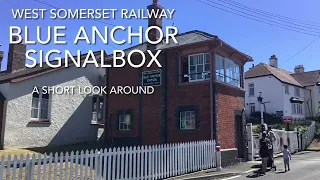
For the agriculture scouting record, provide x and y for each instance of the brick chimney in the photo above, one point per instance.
(273, 61)
(1, 57)
(16, 57)
(154, 35)
(299, 69)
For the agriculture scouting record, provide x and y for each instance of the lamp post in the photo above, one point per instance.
(262, 127)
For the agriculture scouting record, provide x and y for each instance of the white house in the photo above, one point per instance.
(311, 82)
(284, 93)
(37, 119)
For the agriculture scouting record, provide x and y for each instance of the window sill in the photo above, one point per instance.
(231, 86)
(188, 130)
(93, 123)
(40, 122)
(194, 82)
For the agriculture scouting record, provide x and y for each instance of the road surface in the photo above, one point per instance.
(304, 166)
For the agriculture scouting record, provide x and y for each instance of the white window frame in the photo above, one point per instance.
(39, 107)
(249, 87)
(286, 89)
(297, 91)
(122, 120)
(252, 106)
(97, 109)
(297, 108)
(233, 75)
(184, 114)
(205, 74)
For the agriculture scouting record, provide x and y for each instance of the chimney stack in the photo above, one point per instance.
(273, 61)
(16, 57)
(1, 57)
(154, 34)
(299, 69)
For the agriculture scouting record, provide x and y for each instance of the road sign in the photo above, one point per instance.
(287, 119)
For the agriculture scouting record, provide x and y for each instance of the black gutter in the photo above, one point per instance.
(164, 95)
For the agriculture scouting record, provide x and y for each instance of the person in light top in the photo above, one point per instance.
(286, 158)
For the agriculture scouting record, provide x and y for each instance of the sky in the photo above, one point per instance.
(257, 39)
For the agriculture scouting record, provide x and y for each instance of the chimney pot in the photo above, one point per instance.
(273, 61)
(299, 69)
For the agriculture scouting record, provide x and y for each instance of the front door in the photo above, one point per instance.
(239, 134)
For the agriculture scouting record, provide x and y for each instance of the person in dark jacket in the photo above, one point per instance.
(264, 151)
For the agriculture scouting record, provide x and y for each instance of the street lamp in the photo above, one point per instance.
(262, 127)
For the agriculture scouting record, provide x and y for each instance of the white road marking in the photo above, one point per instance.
(249, 171)
(233, 177)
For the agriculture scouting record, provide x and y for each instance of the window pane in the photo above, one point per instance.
(187, 120)
(44, 114)
(219, 68)
(207, 59)
(45, 95)
(34, 113)
(192, 61)
(44, 104)
(207, 67)
(35, 95)
(35, 103)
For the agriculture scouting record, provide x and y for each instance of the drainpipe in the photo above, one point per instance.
(310, 99)
(213, 104)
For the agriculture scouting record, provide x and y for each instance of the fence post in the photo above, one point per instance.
(29, 170)
(250, 142)
(97, 163)
(218, 154)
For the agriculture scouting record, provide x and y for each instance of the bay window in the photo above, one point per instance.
(228, 71)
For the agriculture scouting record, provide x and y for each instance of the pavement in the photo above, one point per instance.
(304, 166)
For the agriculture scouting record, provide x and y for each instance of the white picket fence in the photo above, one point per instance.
(307, 137)
(145, 162)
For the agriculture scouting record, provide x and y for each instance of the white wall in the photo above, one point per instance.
(271, 89)
(70, 115)
(274, 91)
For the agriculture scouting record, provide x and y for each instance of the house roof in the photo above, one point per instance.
(307, 78)
(263, 69)
(28, 73)
(187, 38)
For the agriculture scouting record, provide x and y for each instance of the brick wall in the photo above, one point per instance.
(153, 120)
(229, 157)
(229, 100)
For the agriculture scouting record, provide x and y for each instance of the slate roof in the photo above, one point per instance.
(307, 78)
(187, 38)
(5, 77)
(297, 79)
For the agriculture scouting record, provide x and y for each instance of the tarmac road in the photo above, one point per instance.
(303, 166)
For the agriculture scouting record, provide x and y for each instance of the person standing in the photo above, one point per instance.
(264, 153)
(286, 158)
(272, 137)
